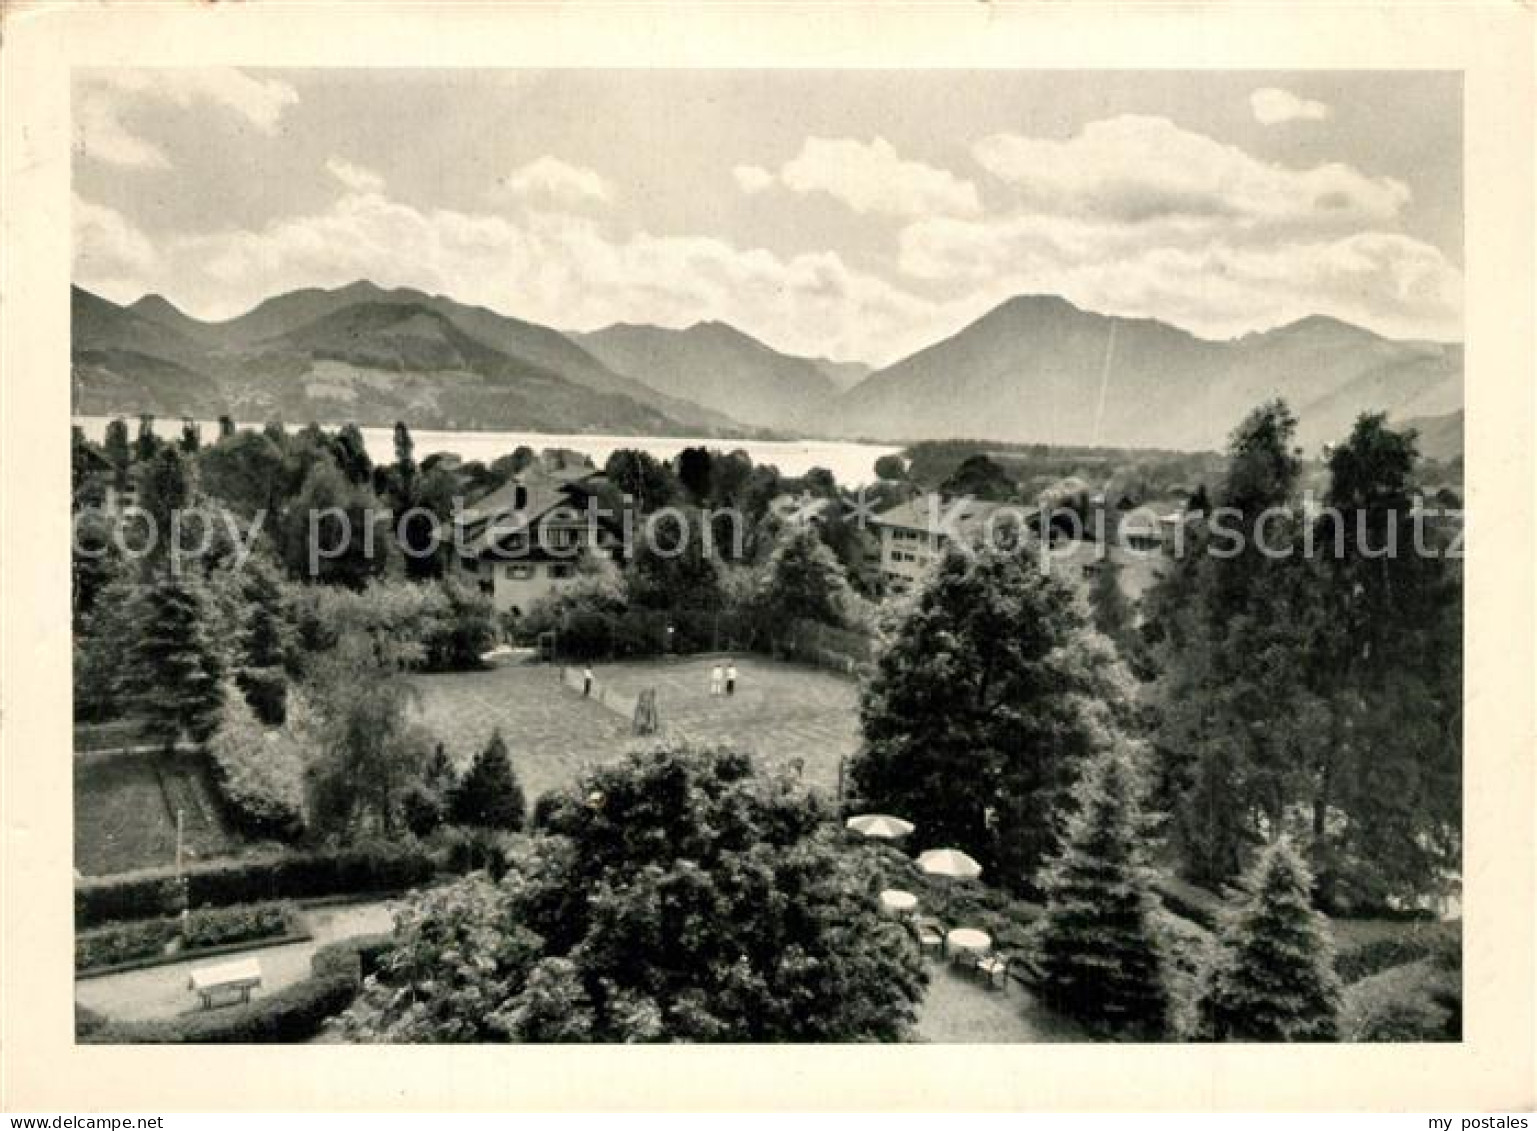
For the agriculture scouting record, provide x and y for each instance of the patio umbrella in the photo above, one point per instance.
(880, 825)
(951, 862)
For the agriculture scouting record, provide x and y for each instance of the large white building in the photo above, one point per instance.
(914, 533)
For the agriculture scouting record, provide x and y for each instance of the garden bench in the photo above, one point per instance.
(236, 979)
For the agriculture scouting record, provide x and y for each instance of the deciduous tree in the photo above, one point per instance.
(989, 695)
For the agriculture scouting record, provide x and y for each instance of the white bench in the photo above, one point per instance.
(238, 977)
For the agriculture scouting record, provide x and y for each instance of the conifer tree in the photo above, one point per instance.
(1273, 977)
(176, 671)
(115, 444)
(1098, 954)
(489, 795)
(268, 644)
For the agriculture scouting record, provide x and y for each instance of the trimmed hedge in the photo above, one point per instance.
(298, 875)
(292, 1014)
(205, 928)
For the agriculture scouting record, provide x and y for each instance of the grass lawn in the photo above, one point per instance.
(551, 732)
(125, 812)
(780, 712)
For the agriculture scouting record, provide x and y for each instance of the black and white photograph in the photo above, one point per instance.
(744, 556)
(798, 551)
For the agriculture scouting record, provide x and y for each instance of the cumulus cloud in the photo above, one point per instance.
(1132, 216)
(1139, 217)
(870, 177)
(1218, 288)
(1137, 168)
(1273, 106)
(104, 97)
(354, 177)
(752, 179)
(101, 135)
(556, 268)
(552, 181)
(107, 244)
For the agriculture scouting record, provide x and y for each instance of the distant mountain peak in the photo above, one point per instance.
(153, 304)
(1322, 323)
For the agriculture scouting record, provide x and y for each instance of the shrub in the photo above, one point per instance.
(1379, 955)
(87, 1020)
(296, 875)
(205, 927)
(292, 1014)
(259, 773)
(1417, 1002)
(123, 942)
(215, 926)
(462, 849)
(443, 626)
(266, 690)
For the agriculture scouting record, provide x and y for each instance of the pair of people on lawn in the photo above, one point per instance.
(723, 679)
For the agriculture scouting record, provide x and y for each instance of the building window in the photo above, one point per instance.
(561, 571)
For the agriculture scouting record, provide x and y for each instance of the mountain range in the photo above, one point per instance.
(365, 354)
(1034, 369)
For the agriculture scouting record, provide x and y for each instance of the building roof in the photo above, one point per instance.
(928, 511)
(804, 507)
(523, 502)
(1068, 488)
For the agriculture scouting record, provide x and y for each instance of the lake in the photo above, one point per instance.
(851, 463)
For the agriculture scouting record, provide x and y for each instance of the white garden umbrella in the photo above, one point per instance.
(880, 825)
(951, 862)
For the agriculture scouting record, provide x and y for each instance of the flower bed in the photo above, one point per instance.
(207, 928)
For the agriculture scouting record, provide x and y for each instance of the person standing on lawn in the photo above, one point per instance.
(730, 677)
(586, 680)
(717, 676)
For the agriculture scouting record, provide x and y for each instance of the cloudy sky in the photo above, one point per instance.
(848, 214)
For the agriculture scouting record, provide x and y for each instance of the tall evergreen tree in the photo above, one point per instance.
(352, 454)
(1098, 953)
(166, 487)
(146, 443)
(268, 643)
(1273, 977)
(115, 444)
(176, 673)
(489, 796)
